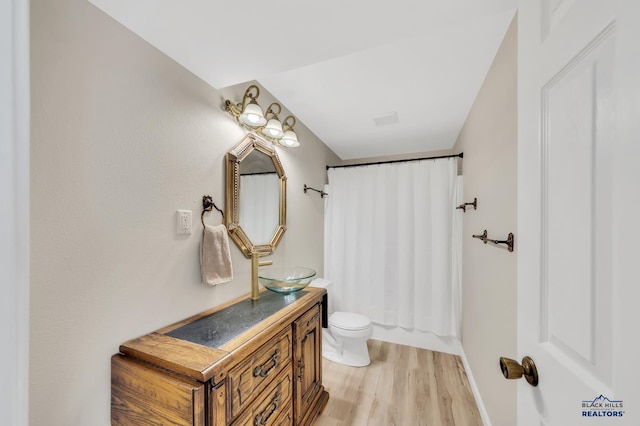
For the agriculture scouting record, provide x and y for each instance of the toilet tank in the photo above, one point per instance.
(322, 283)
(327, 304)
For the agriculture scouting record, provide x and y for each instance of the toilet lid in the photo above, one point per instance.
(349, 321)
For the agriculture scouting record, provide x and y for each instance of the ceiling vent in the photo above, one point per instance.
(386, 119)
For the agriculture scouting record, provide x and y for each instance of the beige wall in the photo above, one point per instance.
(122, 137)
(488, 140)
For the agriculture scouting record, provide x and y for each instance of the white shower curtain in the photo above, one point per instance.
(392, 247)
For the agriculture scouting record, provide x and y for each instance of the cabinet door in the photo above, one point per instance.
(308, 361)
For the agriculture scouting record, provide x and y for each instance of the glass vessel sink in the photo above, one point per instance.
(285, 279)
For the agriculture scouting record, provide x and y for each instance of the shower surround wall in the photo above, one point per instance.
(122, 137)
(489, 141)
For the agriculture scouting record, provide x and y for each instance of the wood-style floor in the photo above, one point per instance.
(403, 386)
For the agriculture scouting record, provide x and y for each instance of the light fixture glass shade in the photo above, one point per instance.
(273, 129)
(252, 115)
(290, 139)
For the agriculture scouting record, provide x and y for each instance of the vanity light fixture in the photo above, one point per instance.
(252, 115)
(273, 128)
(248, 113)
(289, 139)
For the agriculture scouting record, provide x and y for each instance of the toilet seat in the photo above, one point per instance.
(349, 321)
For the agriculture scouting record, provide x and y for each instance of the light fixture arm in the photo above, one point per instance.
(249, 95)
(271, 111)
(288, 123)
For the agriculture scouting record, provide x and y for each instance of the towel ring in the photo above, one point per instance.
(207, 206)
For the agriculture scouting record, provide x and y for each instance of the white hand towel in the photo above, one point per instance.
(215, 256)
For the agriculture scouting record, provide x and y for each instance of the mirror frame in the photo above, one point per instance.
(246, 146)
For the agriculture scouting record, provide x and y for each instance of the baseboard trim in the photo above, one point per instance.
(474, 388)
(417, 339)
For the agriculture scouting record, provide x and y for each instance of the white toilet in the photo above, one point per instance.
(345, 340)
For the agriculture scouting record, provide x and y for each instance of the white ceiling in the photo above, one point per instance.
(336, 64)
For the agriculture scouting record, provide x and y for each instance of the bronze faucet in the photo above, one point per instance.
(255, 265)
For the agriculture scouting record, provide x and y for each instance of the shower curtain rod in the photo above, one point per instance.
(396, 161)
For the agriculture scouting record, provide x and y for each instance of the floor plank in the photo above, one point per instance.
(403, 386)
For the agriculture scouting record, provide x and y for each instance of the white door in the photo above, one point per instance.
(578, 198)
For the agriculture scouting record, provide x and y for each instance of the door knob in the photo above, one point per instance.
(512, 370)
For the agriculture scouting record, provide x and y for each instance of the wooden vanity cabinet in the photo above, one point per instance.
(267, 375)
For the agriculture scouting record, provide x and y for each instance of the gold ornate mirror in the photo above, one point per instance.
(256, 196)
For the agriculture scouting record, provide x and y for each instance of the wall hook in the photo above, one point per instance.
(464, 206)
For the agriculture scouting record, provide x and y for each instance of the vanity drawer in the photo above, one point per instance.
(270, 408)
(309, 320)
(250, 377)
(286, 417)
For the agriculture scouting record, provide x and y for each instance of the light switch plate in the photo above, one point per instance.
(183, 222)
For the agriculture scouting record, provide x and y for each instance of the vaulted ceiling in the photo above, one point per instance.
(369, 78)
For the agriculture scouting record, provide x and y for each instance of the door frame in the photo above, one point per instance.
(14, 213)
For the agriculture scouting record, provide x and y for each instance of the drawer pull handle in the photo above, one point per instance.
(262, 418)
(263, 370)
(313, 319)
